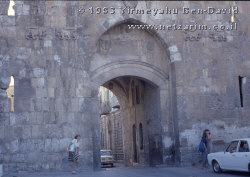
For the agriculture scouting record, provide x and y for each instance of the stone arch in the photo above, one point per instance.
(160, 61)
(134, 21)
(101, 77)
(113, 70)
(105, 67)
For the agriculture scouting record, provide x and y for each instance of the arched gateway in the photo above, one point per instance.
(58, 56)
(126, 56)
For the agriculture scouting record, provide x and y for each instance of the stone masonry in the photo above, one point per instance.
(61, 52)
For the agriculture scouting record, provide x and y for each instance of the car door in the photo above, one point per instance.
(242, 157)
(228, 160)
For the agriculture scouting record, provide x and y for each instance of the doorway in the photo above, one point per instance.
(136, 123)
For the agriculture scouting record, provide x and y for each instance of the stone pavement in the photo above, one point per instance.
(138, 172)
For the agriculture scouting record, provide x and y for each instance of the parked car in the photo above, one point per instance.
(236, 157)
(107, 158)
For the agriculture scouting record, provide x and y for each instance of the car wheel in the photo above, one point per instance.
(249, 167)
(112, 165)
(216, 167)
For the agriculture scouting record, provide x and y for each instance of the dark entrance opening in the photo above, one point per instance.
(138, 121)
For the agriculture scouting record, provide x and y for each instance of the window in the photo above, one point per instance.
(10, 93)
(141, 135)
(242, 80)
(11, 11)
(243, 147)
(232, 147)
(105, 153)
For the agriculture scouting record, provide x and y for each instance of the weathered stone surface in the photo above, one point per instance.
(59, 56)
(4, 7)
(4, 82)
(7, 21)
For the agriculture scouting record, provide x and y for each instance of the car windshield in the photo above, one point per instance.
(105, 153)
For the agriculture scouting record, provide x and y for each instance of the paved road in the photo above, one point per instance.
(138, 172)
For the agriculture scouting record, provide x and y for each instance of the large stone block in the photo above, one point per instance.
(52, 131)
(4, 103)
(51, 92)
(23, 83)
(4, 81)
(46, 104)
(4, 118)
(23, 105)
(58, 21)
(60, 105)
(37, 20)
(24, 146)
(38, 72)
(49, 117)
(41, 92)
(37, 105)
(88, 105)
(83, 92)
(14, 146)
(39, 118)
(55, 145)
(74, 104)
(38, 82)
(70, 21)
(9, 132)
(8, 21)
(33, 156)
(21, 118)
(48, 145)
(18, 158)
(1, 131)
(36, 131)
(4, 7)
(64, 143)
(27, 92)
(52, 82)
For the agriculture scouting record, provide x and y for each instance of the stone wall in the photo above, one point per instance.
(60, 56)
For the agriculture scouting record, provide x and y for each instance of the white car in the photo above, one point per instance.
(107, 158)
(236, 157)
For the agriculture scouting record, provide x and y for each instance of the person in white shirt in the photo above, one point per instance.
(73, 151)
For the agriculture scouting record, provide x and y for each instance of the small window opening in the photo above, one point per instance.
(11, 10)
(241, 82)
(141, 135)
(10, 93)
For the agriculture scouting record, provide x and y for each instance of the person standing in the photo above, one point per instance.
(209, 143)
(73, 151)
(204, 141)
